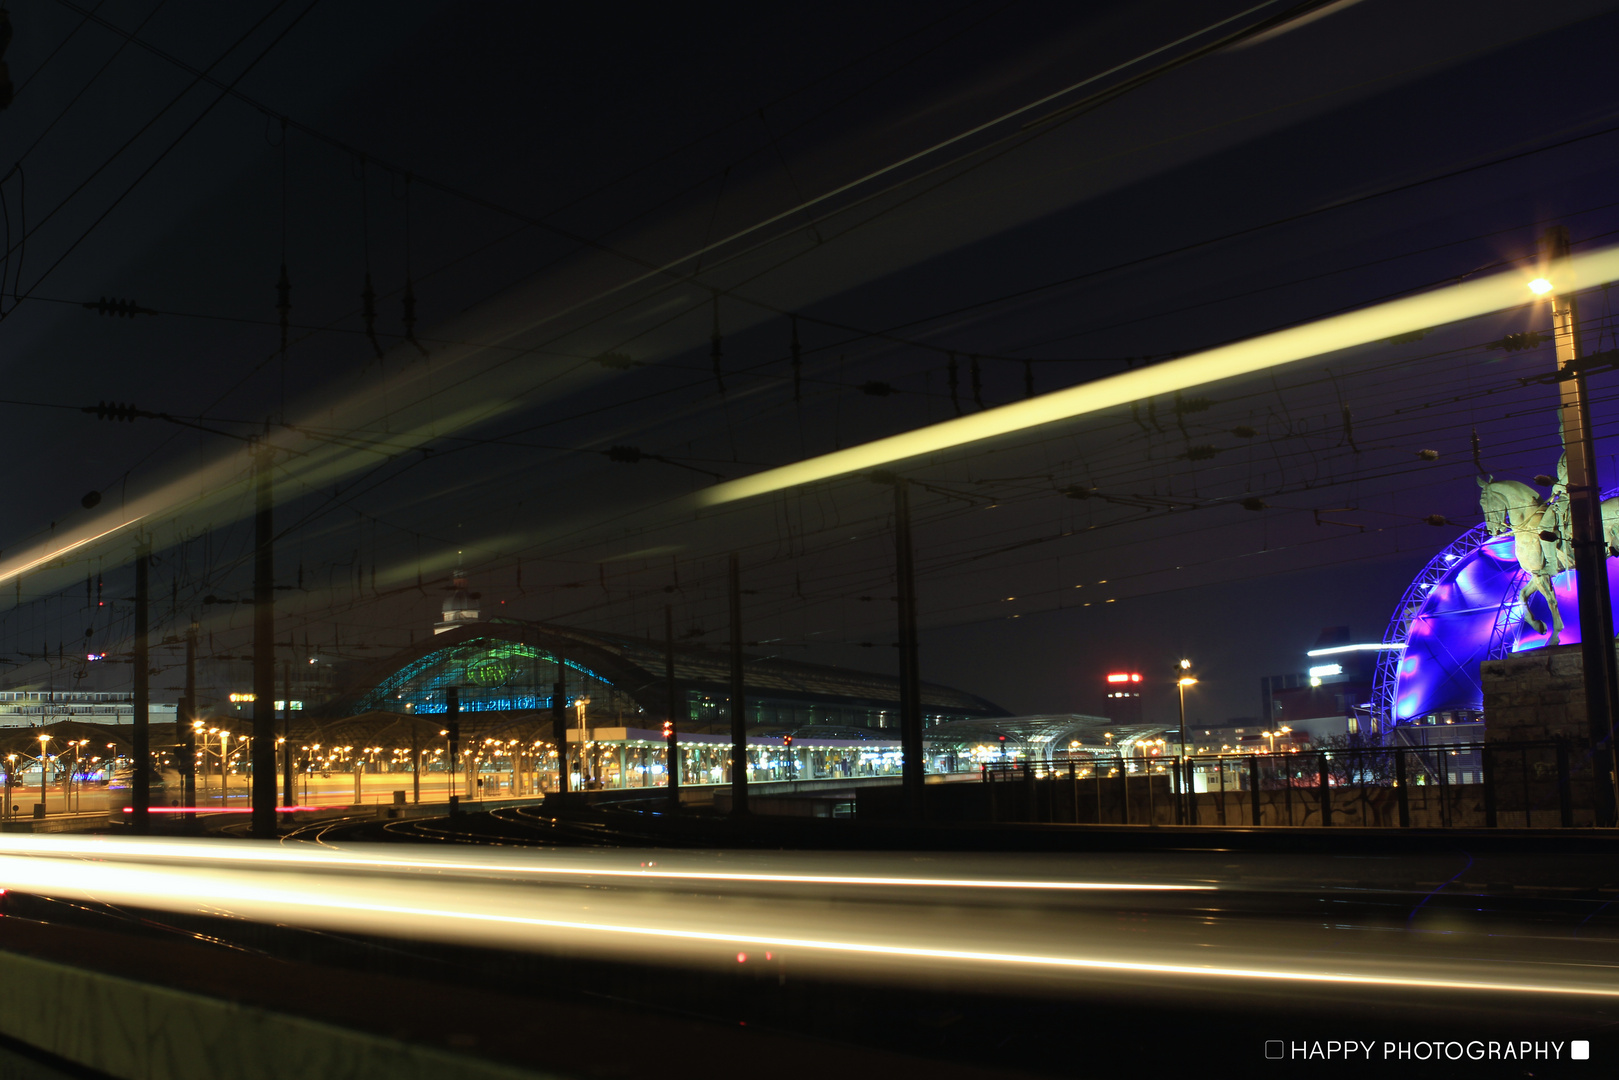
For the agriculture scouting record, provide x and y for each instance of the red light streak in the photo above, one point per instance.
(218, 809)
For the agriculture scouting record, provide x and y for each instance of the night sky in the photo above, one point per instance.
(1024, 195)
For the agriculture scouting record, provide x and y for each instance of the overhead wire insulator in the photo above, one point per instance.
(116, 306)
(798, 361)
(978, 381)
(410, 284)
(714, 350)
(283, 305)
(368, 299)
(114, 411)
(7, 91)
(410, 317)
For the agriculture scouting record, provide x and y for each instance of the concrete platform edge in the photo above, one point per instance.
(138, 1031)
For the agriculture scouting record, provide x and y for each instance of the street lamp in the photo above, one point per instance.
(43, 772)
(1182, 683)
(1186, 679)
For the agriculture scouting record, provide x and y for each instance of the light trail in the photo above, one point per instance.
(1499, 292)
(217, 852)
(509, 916)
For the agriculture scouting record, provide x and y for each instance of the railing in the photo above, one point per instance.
(1541, 784)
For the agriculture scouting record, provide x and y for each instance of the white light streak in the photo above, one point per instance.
(1336, 649)
(494, 915)
(218, 853)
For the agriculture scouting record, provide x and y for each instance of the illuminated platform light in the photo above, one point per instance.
(1540, 286)
(1324, 670)
(1484, 296)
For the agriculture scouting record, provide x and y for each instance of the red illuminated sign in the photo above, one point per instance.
(1123, 676)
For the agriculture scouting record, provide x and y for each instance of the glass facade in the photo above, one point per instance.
(495, 675)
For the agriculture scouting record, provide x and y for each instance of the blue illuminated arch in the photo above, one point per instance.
(493, 675)
(1460, 611)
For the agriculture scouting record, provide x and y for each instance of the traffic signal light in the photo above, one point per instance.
(786, 740)
(668, 729)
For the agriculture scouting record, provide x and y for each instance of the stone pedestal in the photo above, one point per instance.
(1532, 697)
(1536, 695)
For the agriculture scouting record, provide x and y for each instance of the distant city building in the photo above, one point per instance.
(506, 666)
(33, 708)
(460, 607)
(1124, 697)
(1331, 697)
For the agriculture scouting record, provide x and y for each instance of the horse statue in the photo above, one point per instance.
(1510, 506)
(1565, 527)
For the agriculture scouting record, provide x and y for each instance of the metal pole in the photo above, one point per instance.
(1324, 793)
(289, 797)
(673, 768)
(1186, 760)
(415, 762)
(188, 735)
(263, 751)
(452, 724)
(1253, 788)
(141, 783)
(1589, 543)
(559, 725)
(739, 713)
(1487, 767)
(1403, 788)
(1565, 807)
(914, 763)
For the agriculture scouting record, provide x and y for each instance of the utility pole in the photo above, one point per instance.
(288, 796)
(1589, 543)
(415, 761)
(141, 782)
(559, 725)
(739, 707)
(452, 724)
(673, 735)
(914, 763)
(264, 648)
(186, 722)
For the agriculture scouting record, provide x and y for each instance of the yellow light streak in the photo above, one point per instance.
(359, 904)
(1454, 303)
(18, 571)
(217, 853)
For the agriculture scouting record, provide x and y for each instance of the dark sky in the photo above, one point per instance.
(598, 181)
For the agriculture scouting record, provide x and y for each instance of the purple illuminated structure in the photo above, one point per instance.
(1462, 610)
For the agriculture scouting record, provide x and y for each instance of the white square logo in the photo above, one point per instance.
(1579, 1050)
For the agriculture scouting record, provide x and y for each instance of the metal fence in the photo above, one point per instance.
(1489, 785)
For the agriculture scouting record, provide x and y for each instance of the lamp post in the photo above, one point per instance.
(1181, 684)
(77, 795)
(224, 768)
(44, 772)
(449, 746)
